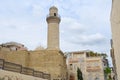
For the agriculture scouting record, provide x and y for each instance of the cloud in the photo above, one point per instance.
(79, 34)
(76, 35)
(70, 25)
(93, 39)
(84, 24)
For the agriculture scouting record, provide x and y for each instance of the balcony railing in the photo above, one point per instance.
(27, 71)
(23, 70)
(11, 66)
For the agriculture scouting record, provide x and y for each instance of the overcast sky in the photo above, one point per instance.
(85, 24)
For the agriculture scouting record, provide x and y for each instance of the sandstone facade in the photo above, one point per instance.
(52, 62)
(92, 68)
(53, 20)
(115, 25)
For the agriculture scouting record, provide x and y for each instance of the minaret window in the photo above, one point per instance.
(54, 14)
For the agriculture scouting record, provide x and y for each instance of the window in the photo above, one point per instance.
(71, 66)
(54, 14)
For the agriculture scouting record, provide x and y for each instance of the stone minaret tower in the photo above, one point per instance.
(53, 21)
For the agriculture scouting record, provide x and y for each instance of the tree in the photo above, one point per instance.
(79, 74)
(107, 72)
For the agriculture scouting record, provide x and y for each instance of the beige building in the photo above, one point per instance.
(92, 67)
(51, 60)
(12, 46)
(115, 26)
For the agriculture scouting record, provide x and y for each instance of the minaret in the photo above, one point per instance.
(53, 21)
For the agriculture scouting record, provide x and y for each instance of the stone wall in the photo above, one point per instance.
(52, 62)
(94, 68)
(18, 57)
(91, 67)
(49, 61)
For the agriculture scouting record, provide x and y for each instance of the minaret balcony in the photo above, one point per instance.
(55, 18)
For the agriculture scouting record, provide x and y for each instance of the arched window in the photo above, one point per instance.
(54, 14)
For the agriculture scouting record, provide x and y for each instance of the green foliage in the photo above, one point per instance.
(104, 55)
(79, 74)
(93, 54)
(107, 70)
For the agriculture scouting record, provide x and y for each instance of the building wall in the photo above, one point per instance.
(91, 67)
(4, 49)
(18, 57)
(114, 64)
(13, 46)
(49, 61)
(77, 61)
(94, 68)
(115, 25)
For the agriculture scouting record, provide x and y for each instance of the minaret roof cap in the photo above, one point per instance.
(53, 7)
